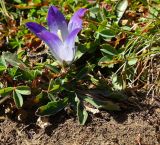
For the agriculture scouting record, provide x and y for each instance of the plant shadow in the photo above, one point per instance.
(130, 105)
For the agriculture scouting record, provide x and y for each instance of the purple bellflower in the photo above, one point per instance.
(60, 37)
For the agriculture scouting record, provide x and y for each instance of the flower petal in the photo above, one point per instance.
(56, 21)
(76, 20)
(52, 40)
(69, 46)
(35, 28)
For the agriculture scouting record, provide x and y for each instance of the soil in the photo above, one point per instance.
(137, 125)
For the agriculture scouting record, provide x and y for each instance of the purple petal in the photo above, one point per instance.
(35, 28)
(76, 20)
(56, 21)
(52, 40)
(69, 46)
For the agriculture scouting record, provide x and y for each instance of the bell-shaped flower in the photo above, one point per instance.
(60, 37)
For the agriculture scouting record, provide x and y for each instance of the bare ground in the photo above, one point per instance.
(136, 126)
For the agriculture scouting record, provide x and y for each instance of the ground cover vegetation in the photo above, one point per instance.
(50, 70)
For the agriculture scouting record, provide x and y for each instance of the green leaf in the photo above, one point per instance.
(31, 74)
(121, 8)
(132, 61)
(52, 107)
(18, 1)
(3, 65)
(93, 11)
(39, 98)
(36, 1)
(117, 81)
(12, 59)
(12, 71)
(5, 91)
(107, 61)
(52, 97)
(24, 90)
(108, 49)
(107, 105)
(153, 12)
(107, 34)
(2, 68)
(102, 25)
(2, 61)
(53, 86)
(94, 80)
(81, 112)
(79, 53)
(18, 99)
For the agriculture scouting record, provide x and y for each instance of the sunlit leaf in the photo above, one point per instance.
(53, 86)
(5, 91)
(52, 107)
(24, 90)
(107, 61)
(117, 81)
(18, 99)
(107, 34)
(2, 68)
(153, 12)
(18, 1)
(132, 61)
(93, 11)
(81, 112)
(121, 8)
(108, 49)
